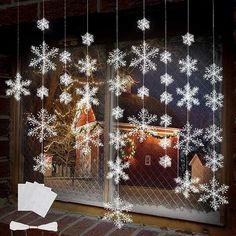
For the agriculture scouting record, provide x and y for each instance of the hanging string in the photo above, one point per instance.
(87, 26)
(65, 30)
(18, 37)
(144, 41)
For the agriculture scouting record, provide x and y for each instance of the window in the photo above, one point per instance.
(148, 160)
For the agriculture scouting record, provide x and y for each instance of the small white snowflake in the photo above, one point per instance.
(18, 87)
(213, 134)
(87, 39)
(214, 161)
(116, 58)
(118, 139)
(44, 56)
(188, 98)
(165, 57)
(189, 138)
(118, 85)
(188, 39)
(43, 24)
(213, 73)
(166, 79)
(143, 24)
(42, 126)
(188, 65)
(65, 57)
(65, 97)
(42, 92)
(42, 163)
(214, 100)
(87, 65)
(186, 185)
(65, 79)
(165, 142)
(142, 122)
(214, 193)
(117, 170)
(166, 120)
(143, 57)
(117, 112)
(166, 97)
(88, 97)
(143, 91)
(165, 161)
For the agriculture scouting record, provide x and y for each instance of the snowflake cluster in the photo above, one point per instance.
(65, 79)
(214, 100)
(116, 59)
(166, 97)
(165, 142)
(117, 112)
(65, 97)
(166, 120)
(214, 161)
(43, 24)
(165, 57)
(143, 24)
(165, 161)
(118, 139)
(188, 39)
(213, 134)
(42, 92)
(143, 91)
(166, 79)
(213, 73)
(87, 39)
(87, 65)
(118, 85)
(65, 57)
(188, 65)
(42, 163)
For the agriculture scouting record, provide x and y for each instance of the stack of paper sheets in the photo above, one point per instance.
(35, 197)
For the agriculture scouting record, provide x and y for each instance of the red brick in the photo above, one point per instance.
(147, 233)
(100, 229)
(125, 231)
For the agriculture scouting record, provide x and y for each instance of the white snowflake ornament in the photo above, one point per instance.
(18, 87)
(87, 65)
(65, 79)
(43, 24)
(65, 97)
(213, 73)
(118, 139)
(214, 100)
(165, 161)
(142, 92)
(165, 57)
(118, 85)
(117, 112)
(188, 39)
(214, 161)
(42, 164)
(65, 57)
(42, 92)
(188, 65)
(166, 120)
(166, 79)
(213, 134)
(87, 39)
(166, 98)
(116, 59)
(143, 24)
(165, 142)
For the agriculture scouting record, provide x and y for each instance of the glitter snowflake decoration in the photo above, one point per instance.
(213, 73)
(117, 170)
(165, 57)
(166, 120)
(141, 123)
(117, 212)
(117, 112)
(118, 85)
(214, 100)
(165, 142)
(143, 24)
(143, 57)
(87, 65)
(88, 97)
(18, 87)
(186, 185)
(65, 57)
(189, 139)
(188, 98)
(42, 163)
(188, 65)
(42, 92)
(165, 161)
(88, 138)
(213, 134)
(118, 139)
(65, 79)
(42, 125)
(214, 161)
(166, 97)
(214, 193)
(188, 39)
(43, 24)
(43, 60)
(143, 91)
(65, 97)
(87, 39)
(166, 79)
(116, 59)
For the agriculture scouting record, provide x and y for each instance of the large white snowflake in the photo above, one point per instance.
(65, 97)
(117, 170)
(165, 161)
(117, 212)
(18, 87)
(116, 58)
(214, 161)
(213, 73)
(166, 120)
(87, 39)
(117, 112)
(42, 163)
(143, 91)
(118, 139)
(43, 24)
(188, 65)
(65, 79)
(42, 92)
(186, 185)
(143, 24)
(165, 142)
(118, 85)
(44, 56)
(87, 65)
(188, 98)
(166, 79)
(214, 100)
(88, 97)
(166, 97)
(42, 126)
(213, 134)
(65, 57)
(188, 39)
(141, 123)
(165, 57)
(214, 193)
(144, 55)
(88, 138)
(189, 138)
